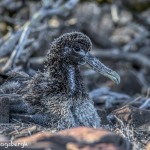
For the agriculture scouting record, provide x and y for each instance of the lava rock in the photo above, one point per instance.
(133, 116)
(81, 138)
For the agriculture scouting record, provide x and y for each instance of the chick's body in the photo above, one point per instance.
(57, 98)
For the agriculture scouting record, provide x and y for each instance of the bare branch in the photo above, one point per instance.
(16, 53)
(115, 55)
(10, 44)
(146, 104)
(35, 20)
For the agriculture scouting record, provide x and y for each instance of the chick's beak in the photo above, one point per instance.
(101, 68)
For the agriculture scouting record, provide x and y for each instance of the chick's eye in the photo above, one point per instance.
(77, 49)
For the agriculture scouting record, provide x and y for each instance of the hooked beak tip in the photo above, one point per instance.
(114, 76)
(117, 78)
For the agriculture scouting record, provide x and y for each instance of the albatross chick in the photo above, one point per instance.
(57, 97)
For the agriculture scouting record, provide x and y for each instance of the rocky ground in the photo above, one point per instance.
(120, 33)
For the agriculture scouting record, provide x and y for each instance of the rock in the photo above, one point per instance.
(4, 110)
(137, 5)
(134, 124)
(85, 134)
(3, 138)
(126, 86)
(148, 146)
(34, 138)
(123, 35)
(133, 116)
(81, 138)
